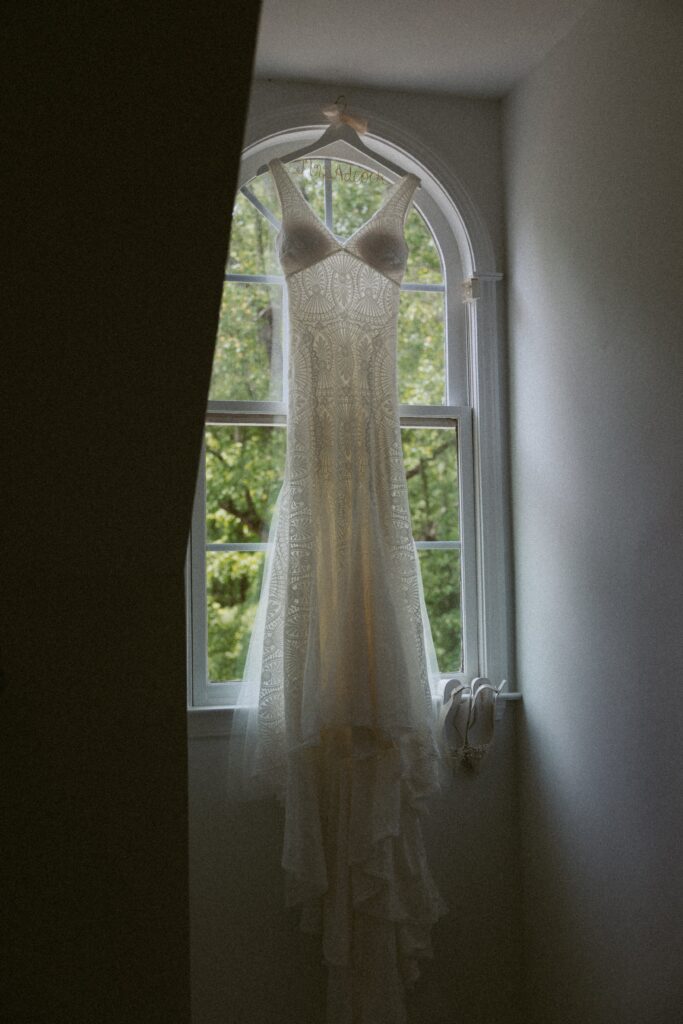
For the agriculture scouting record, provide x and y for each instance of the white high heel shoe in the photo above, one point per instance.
(480, 722)
(453, 718)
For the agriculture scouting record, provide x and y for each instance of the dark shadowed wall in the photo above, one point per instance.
(123, 133)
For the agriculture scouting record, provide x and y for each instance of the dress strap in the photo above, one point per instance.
(291, 197)
(398, 201)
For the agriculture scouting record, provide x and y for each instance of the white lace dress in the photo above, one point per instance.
(335, 715)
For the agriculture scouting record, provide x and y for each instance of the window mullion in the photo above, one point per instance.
(438, 545)
(220, 412)
(255, 201)
(197, 596)
(254, 278)
(468, 538)
(422, 286)
(431, 415)
(237, 546)
(329, 213)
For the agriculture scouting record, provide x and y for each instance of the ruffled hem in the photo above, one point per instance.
(356, 863)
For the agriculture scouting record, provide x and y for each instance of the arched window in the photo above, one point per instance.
(439, 387)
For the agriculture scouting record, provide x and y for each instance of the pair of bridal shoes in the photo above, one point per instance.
(466, 720)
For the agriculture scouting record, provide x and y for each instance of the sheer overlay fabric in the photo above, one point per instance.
(335, 715)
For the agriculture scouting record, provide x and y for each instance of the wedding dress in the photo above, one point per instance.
(336, 715)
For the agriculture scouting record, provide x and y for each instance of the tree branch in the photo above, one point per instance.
(416, 470)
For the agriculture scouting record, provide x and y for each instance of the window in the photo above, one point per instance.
(244, 448)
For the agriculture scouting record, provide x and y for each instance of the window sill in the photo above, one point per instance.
(204, 722)
(217, 721)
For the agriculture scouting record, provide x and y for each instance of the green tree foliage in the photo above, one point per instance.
(245, 464)
(244, 472)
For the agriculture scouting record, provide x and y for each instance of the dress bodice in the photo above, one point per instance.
(379, 243)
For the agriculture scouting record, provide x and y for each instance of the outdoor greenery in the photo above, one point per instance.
(245, 464)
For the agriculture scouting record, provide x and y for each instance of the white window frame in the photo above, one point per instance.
(474, 401)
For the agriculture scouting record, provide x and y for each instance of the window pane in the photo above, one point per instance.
(424, 262)
(356, 193)
(252, 241)
(233, 581)
(421, 348)
(247, 364)
(308, 176)
(441, 580)
(430, 456)
(244, 473)
(263, 187)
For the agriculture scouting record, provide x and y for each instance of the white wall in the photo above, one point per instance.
(592, 153)
(252, 965)
(250, 962)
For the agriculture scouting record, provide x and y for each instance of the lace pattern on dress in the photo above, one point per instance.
(336, 711)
